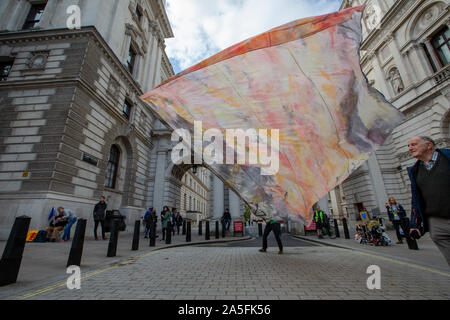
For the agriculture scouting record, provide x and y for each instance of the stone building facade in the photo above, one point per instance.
(195, 194)
(405, 54)
(72, 126)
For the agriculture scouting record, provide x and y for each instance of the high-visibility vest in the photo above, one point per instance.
(316, 216)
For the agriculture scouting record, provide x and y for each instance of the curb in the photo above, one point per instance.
(13, 293)
(382, 255)
(201, 242)
(324, 243)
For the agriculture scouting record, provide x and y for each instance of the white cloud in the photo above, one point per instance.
(205, 27)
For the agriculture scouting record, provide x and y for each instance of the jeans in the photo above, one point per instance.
(102, 223)
(396, 224)
(227, 223)
(275, 227)
(66, 235)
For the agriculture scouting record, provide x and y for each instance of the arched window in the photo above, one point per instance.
(113, 167)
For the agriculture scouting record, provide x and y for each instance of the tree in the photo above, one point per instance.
(247, 213)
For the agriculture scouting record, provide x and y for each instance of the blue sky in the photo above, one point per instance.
(205, 27)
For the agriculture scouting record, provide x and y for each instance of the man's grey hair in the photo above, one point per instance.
(428, 139)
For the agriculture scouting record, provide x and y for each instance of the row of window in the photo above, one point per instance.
(194, 204)
(37, 10)
(192, 184)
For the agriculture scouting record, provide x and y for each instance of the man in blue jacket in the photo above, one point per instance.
(430, 188)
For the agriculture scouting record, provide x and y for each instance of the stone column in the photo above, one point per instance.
(160, 176)
(418, 59)
(335, 203)
(433, 54)
(218, 203)
(323, 203)
(235, 208)
(377, 181)
(380, 76)
(399, 61)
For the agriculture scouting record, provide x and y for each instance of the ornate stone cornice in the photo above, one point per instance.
(387, 25)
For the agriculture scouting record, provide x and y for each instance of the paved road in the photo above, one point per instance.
(228, 272)
(256, 242)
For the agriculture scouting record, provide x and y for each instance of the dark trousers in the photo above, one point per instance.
(275, 227)
(397, 224)
(164, 233)
(178, 229)
(102, 224)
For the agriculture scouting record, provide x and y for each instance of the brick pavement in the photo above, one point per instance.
(44, 263)
(428, 254)
(198, 273)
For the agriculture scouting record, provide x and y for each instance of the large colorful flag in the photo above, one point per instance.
(305, 80)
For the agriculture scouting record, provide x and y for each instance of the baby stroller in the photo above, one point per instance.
(376, 234)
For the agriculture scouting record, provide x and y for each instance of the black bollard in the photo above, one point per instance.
(112, 245)
(152, 234)
(135, 244)
(223, 229)
(12, 255)
(336, 228)
(207, 230)
(346, 233)
(200, 227)
(183, 231)
(76, 250)
(169, 233)
(260, 231)
(188, 231)
(217, 230)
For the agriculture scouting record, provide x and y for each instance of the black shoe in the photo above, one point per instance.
(280, 252)
(262, 250)
(53, 240)
(145, 237)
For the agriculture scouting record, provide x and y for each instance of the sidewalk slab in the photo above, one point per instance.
(428, 254)
(44, 262)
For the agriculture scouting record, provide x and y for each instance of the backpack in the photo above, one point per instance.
(41, 236)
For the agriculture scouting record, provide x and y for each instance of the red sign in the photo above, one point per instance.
(238, 226)
(312, 227)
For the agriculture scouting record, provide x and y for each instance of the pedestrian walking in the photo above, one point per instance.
(272, 225)
(396, 213)
(226, 219)
(165, 218)
(178, 222)
(173, 221)
(319, 219)
(99, 217)
(152, 219)
(430, 189)
(147, 219)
